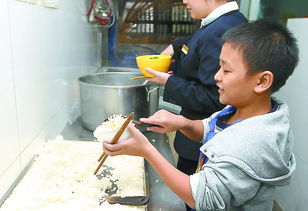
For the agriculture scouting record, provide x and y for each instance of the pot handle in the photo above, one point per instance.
(150, 91)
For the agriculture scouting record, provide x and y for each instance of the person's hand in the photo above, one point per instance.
(136, 145)
(158, 77)
(167, 121)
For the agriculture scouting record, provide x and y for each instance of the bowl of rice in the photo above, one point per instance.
(108, 128)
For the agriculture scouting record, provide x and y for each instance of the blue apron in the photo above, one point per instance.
(212, 124)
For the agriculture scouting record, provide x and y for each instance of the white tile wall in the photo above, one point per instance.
(43, 52)
(9, 145)
(9, 142)
(295, 196)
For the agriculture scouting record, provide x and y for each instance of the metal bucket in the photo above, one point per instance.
(108, 93)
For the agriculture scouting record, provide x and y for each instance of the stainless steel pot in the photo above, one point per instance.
(108, 93)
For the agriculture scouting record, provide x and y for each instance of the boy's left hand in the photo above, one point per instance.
(167, 121)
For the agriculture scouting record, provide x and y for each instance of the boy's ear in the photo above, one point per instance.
(265, 81)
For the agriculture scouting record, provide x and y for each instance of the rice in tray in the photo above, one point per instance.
(61, 178)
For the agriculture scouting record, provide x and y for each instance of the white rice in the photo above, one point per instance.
(107, 129)
(61, 178)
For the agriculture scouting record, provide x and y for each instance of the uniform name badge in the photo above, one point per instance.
(185, 49)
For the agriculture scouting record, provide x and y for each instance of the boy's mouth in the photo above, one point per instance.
(220, 90)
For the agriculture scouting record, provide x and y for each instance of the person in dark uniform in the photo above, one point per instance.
(196, 60)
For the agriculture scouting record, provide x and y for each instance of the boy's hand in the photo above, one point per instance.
(136, 145)
(167, 121)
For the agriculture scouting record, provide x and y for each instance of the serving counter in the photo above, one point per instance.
(162, 198)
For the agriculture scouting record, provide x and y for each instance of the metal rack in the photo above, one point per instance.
(155, 21)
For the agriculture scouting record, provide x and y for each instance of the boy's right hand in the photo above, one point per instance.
(136, 145)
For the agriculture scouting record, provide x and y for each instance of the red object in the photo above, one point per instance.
(104, 21)
(91, 7)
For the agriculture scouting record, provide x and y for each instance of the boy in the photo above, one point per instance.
(247, 147)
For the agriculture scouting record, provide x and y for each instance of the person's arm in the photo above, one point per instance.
(193, 129)
(138, 145)
(176, 180)
(217, 184)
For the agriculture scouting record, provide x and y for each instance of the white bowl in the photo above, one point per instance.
(107, 135)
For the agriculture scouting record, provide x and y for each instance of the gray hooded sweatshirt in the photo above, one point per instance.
(246, 161)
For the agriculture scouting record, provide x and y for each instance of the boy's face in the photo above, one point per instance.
(236, 87)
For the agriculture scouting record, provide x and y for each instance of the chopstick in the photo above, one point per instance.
(100, 158)
(115, 139)
(139, 77)
(139, 123)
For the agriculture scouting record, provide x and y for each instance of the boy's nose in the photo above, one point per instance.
(217, 75)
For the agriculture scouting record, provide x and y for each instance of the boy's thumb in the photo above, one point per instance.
(131, 128)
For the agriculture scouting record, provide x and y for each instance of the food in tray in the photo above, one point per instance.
(61, 178)
(108, 128)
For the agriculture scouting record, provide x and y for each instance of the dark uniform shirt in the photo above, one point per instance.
(193, 86)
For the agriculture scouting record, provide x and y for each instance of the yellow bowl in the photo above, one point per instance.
(159, 63)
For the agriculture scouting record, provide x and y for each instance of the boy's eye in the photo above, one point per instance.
(226, 71)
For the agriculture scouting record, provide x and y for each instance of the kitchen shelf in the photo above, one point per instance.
(155, 22)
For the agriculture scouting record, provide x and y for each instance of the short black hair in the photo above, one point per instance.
(267, 46)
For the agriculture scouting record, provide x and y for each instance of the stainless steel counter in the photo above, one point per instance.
(162, 198)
